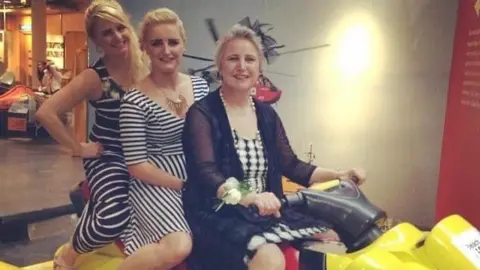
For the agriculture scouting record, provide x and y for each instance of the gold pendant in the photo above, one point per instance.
(177, 106)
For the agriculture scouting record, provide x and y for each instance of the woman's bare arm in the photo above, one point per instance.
(86, 85)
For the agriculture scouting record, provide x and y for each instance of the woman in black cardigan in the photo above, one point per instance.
(230, 139)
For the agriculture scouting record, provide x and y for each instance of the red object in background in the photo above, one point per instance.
(459, 181)
(13, 95)
(265, 91)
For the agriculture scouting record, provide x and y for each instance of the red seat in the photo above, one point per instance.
(289, 252)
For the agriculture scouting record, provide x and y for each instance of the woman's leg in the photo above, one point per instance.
(105, 215)
(267, 257)
(329, 235)
(171, 251)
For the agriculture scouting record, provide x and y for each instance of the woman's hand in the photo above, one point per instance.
(267, 204)
(357, 175)
(88, 150)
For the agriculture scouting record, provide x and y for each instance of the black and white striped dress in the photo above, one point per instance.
(107, 213)
(152, 134)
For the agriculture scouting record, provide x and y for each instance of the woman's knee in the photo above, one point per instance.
(269, 256)
(178, 246)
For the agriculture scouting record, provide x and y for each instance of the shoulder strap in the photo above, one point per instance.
(100, 69)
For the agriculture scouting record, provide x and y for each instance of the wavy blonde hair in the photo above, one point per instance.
(159, 16)
(112, 11)
(238, 31)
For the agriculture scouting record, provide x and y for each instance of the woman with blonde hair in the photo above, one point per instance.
(103, 85)
(151, 124)
(237, 151)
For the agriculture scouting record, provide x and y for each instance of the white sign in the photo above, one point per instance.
(55, 50)
(469, 245)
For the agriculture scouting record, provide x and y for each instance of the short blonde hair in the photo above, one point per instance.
(238, 31)
(159, 16)
(111, 10)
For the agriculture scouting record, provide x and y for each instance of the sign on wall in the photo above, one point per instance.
(459, 183)
(56, 50)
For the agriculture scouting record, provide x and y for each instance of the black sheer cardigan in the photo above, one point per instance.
(211, 156)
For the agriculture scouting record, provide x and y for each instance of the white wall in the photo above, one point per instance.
(387, 117)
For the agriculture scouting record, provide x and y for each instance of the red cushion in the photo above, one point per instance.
(289, 252)
(291, 259)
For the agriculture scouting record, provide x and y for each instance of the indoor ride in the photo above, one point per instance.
(452, 244)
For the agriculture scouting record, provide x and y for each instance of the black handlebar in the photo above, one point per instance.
(343, 206)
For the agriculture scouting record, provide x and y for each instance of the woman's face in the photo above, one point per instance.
(113, 38)
(164, 45)
(41, 66)
(240, 65)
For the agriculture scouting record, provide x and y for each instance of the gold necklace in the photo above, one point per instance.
(177, 105)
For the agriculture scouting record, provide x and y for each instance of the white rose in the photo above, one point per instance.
(233, 197)
(231, 183)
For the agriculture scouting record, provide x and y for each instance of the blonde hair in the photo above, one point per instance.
(238, 31)
(112, 11)
(160, 16)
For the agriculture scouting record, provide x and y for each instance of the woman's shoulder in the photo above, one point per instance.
(197, 80)
(207, 104)
(199, 85)
(99, 68)
(134, 96)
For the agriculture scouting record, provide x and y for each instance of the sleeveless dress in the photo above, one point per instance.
(107, 213)
(152, 134)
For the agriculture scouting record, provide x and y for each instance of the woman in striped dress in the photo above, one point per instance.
(103, 84)
(151, 124)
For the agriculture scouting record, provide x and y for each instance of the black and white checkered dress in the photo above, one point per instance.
(254, 164)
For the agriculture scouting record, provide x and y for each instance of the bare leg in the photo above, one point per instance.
(268, 257)
(329, 235)
(172, 250)
(66, 258)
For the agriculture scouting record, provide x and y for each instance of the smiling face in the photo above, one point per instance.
(164, 45)
(112, 37)
(240, 64)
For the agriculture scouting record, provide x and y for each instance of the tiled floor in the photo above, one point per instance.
(35, 175)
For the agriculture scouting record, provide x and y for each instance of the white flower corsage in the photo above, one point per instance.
(234, 192)
(110, 90)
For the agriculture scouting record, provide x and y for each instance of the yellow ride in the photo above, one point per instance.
(452, 244)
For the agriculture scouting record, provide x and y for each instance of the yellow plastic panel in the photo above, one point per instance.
(376, 260)
(6, 266)
(453, 244)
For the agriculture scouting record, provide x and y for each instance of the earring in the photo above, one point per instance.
(98, 49)
(253, 91)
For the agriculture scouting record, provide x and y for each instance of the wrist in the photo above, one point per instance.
(77, 151)
(248, 199)
(180, 184)
(341, 175)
